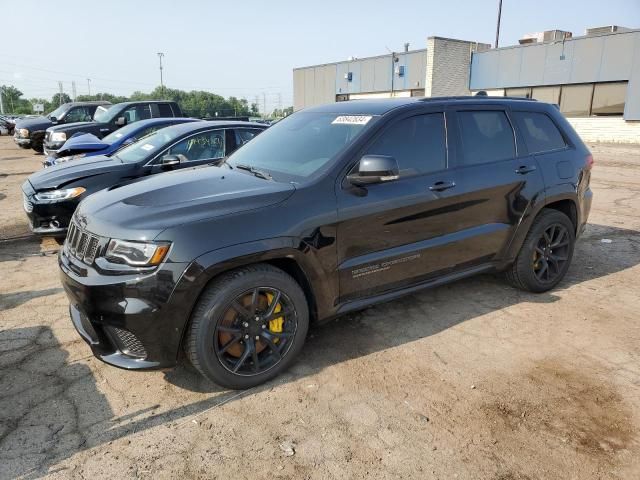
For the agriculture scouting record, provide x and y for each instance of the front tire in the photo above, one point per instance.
(546, 253)
(248, 327)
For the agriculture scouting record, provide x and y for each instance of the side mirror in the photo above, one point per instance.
(374, 169)
(121, 121)
(53, 119)
(169, 161)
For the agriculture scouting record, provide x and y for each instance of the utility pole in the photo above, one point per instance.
(60, 97)
(498, 25)
(160, 55)
(73, 90)
(264, 104)
(257, 103)
(89, 85)
(1, 102)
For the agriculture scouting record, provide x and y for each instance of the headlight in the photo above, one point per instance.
(136, 253)
(70, 157)
(64, 194)
(58, 137)
(24, 133)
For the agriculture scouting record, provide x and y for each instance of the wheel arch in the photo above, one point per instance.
(281, 254)
(565, 203)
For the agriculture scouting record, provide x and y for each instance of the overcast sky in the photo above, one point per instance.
(248, 48)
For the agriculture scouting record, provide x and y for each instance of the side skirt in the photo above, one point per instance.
(392, 295)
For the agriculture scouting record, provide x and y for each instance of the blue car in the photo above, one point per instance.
(83, 145)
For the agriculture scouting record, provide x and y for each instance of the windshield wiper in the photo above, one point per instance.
(255, 171)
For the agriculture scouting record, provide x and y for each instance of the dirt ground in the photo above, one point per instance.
(474, 380)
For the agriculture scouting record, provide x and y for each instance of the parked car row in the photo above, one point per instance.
(329, 211)
(47, 134)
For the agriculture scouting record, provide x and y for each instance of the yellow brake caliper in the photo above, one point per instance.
(275, 325)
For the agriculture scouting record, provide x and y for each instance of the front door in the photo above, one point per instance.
(396, 233)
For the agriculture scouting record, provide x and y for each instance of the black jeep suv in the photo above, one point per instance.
(331, 210)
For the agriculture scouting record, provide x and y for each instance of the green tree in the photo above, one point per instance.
(11, 98)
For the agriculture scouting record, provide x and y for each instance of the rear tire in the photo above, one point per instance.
(546, 253)
(231, 339)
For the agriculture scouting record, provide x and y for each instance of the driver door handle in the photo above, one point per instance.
(524, 169)
(441, 186)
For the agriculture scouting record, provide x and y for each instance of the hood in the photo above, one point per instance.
(60, 175)
(71, 128)
(84, 142)
(144, 209)
(34, 124)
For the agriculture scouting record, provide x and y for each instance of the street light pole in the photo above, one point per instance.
(89, 85)
(498, 25)
(160, 55)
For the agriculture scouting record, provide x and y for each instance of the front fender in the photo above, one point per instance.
(210, 265)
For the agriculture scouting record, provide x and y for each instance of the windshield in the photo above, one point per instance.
(301, 145)
(121, 132)
(148, 146)
(104, 114)
(58, 112)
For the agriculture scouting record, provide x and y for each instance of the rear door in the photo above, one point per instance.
(397, 233)
(497, 179)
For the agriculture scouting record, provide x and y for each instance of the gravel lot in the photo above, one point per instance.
(474, 380)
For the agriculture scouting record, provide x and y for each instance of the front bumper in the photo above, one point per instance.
(47, 218)
(21, 142)
(131, 321)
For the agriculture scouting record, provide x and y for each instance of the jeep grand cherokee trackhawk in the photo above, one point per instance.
(329, 211)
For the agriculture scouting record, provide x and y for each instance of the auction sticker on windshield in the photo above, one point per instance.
(352, 120)
(147, 147)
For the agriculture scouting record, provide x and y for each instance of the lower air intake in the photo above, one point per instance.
(128, 343)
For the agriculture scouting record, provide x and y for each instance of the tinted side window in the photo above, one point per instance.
(417, 143)
(137, 112)
(244, 135)
(539, 132)
(164, 109)
(202, 146)
(78, 114)
(487, 136)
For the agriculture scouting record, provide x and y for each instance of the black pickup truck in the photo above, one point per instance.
(29, 133)
(107, 120)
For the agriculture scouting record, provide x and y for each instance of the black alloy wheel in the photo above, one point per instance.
(551, 253)
(248, 326)
(255, 331)
(545, 255)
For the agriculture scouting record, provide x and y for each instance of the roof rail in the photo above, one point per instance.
(474, 97)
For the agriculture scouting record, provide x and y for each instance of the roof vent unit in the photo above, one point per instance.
(606, 29)
(400, 70)
(548, 36)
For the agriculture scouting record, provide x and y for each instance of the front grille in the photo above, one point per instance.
(128, 343)
(82, 244)
(28, 206)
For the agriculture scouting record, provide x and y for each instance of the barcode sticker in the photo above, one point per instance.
(352, 120)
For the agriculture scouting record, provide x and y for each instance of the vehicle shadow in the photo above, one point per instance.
(12, 300)
(51, 407)
(23, 246)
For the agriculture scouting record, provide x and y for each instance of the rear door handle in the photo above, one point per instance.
(524, 169)
(440, 186)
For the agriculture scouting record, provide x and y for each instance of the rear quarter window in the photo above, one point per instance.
(164, 109)
(540, 133)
